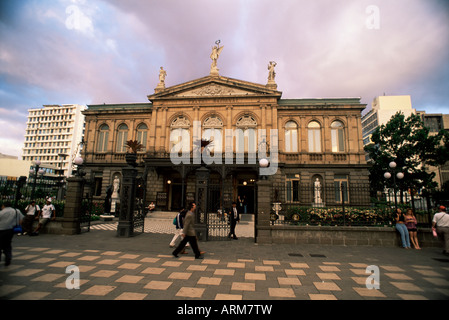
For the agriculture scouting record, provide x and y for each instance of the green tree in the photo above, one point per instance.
(407, 142)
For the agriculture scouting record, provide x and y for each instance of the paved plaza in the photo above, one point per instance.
(142, 268)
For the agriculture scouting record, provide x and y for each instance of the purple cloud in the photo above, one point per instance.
(83, 51)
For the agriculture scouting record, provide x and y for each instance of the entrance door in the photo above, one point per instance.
(247, 193)
(176, 197)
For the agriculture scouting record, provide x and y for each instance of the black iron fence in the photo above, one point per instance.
(12, 190)
(340, 204)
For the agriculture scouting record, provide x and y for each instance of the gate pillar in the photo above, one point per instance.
(202, 178)
(125, 226)
(263, 232)
(73, 206)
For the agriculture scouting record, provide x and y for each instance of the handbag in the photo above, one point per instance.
(17, 228)
(434, 232)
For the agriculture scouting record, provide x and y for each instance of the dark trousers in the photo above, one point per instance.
(443, 235)
(5, 244)
(27, 223)
(232, 231)
(193, 244)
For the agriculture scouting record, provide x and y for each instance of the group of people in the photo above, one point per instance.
(11, 217)
(406, 226)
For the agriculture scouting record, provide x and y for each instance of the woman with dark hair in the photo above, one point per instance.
(410, 223)
(399, 217)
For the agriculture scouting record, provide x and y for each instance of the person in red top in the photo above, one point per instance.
(410, 223)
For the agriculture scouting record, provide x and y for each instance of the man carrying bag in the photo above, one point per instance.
(9, 218)
(440, 223)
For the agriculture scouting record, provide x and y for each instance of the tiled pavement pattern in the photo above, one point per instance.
(139, 268)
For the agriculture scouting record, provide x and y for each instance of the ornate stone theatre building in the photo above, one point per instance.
(318, 141)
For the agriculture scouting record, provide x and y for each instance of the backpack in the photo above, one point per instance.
(175, 220)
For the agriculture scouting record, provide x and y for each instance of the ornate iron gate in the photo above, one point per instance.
(217, 221)
(139, 217)
(86, 208)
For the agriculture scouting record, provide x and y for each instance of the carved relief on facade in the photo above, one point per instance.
(212, 89)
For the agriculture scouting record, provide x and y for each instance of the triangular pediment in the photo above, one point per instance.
(213, 87)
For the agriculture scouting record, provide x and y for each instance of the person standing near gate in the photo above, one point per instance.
(189, 233)
(234, 217)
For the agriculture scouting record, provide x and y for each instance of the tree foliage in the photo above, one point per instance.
(409, 143)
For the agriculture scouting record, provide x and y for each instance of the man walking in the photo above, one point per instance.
(9, 217)
(189, 234)
(234, 217)
(441, 223)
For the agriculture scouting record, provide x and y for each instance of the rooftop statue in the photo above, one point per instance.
(271, 75)
(216, 51)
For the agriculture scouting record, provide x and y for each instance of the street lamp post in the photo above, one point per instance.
(79, 163)
(399, 175)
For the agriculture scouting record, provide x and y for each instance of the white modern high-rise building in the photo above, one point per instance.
(382, 109)
(53, 135)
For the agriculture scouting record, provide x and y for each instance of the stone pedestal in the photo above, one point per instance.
(202, 178)
(263, 232)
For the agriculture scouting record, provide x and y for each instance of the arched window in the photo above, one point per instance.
(180, 134)
(213, 131)
(103, 136)
(291, 137)
(122, 137)
(338, 136)
(246, 136)
(314, 135)
(141, 136)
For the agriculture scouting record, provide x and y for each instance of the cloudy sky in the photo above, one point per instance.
(93, 51)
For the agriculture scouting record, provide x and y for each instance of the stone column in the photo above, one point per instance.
(125, 226)
(73, 206)
(202, 178)
(263, 232)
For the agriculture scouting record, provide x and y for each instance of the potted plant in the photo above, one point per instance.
(131, 157)
(202, 144)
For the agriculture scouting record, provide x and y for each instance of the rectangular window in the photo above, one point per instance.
(292, 188)
(142, 137)
(291, 140)
(98, 181)
(341, 185)
(314, 140)
(338, 143)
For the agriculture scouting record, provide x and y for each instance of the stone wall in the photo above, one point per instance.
(341, 236)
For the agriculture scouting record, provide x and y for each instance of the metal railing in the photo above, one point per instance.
(340, 204)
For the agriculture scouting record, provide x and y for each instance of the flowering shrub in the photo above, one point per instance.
(335, 216)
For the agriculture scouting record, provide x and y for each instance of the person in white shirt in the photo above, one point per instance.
(30, 215)
(47, 213)
(9, 217)
(441, 223)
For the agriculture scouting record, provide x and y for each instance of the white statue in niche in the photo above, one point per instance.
(317, 189)
(116, 185)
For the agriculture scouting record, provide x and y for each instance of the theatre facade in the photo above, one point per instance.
(307, 142)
